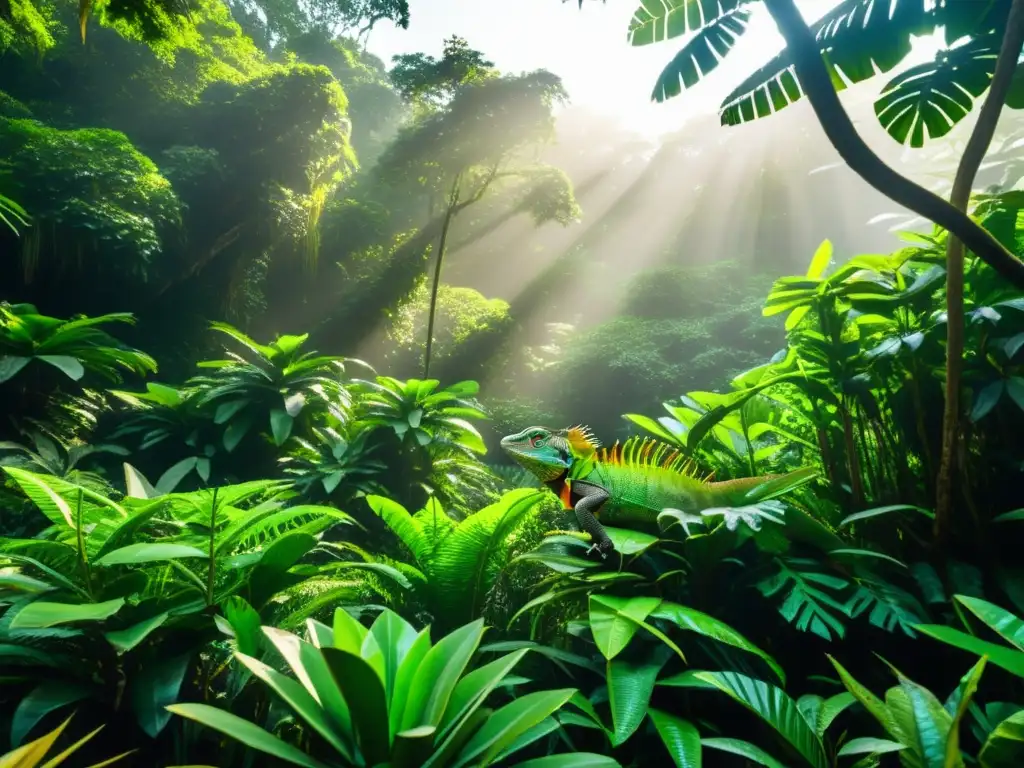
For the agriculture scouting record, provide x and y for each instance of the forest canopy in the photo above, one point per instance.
(365, 412)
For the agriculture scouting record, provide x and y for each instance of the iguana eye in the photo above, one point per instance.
(536, 441)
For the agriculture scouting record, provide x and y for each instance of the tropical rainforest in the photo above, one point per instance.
(269, 305)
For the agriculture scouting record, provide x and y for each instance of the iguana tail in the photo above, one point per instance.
(752, 490)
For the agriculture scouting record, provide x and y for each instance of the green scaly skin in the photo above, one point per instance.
(633, 483)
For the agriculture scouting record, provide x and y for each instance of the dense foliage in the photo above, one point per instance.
(287, 536)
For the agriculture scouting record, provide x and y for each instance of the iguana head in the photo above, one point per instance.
(547, 453)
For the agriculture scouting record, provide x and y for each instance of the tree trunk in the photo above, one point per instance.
(974, 153)
(817, 85)
(453, 204)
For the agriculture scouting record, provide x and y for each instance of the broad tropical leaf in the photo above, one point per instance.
(702, 54)
(858, 39)
(776, 708)
(928, 100)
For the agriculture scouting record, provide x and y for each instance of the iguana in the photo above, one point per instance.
(631, 483)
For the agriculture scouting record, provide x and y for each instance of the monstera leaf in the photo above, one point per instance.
(926, 101)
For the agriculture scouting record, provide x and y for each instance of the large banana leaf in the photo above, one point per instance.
(858, 38)
(702, 53)
(657, 20)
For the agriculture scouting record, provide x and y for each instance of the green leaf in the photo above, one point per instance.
(831, 708)
(919, 721)
(405, 678)
(876, 511)
(1007, 658)
(679, 736)
(658, 20)
(10, 366)
(363, 690)
(242, 730)
(297, 697)
(349, 634)
(134, 554)
(473, 689)
(987, 399)
(40, 614)
(1008, 517)
(234, 433)
(614, 621)
(438, 675)
(245, 624)
(1004, 747)
(964, 693)
(395, 636)
(125, 640)
(926, 101)
(866, 553)
(156, 686)
(875, 706)
(1001, 621)
(508, 723)
(702, 53)
(69, 366)
(41, 701)
(743, 749)
(630, 685)
(773, 706)
(226, 410)
(708, 626)
(136, 484)
(43, 495)
(280, 425)
(571, 760)
(869, 746)
(169, 480)
(820, 261)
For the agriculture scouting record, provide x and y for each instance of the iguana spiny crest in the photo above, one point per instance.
(549, 453)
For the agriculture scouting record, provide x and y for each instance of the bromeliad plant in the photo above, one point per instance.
(337, 463)
(49, 455)
(72, 347)
(387, 695)
(210, 426)
(274, 386)
(431, 439)
(174, 419)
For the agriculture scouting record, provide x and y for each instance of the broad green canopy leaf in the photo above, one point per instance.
(926, 101)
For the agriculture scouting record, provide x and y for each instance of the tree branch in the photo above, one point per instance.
(970, 162)
(817, 85)
(481, 188)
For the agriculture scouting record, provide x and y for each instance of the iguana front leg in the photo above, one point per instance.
(592, 497)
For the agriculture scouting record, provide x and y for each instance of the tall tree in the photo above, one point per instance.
(970, 162)
(471, 143)
(430, 83)
(272, 22)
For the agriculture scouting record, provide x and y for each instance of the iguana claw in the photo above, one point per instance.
(600, 551)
